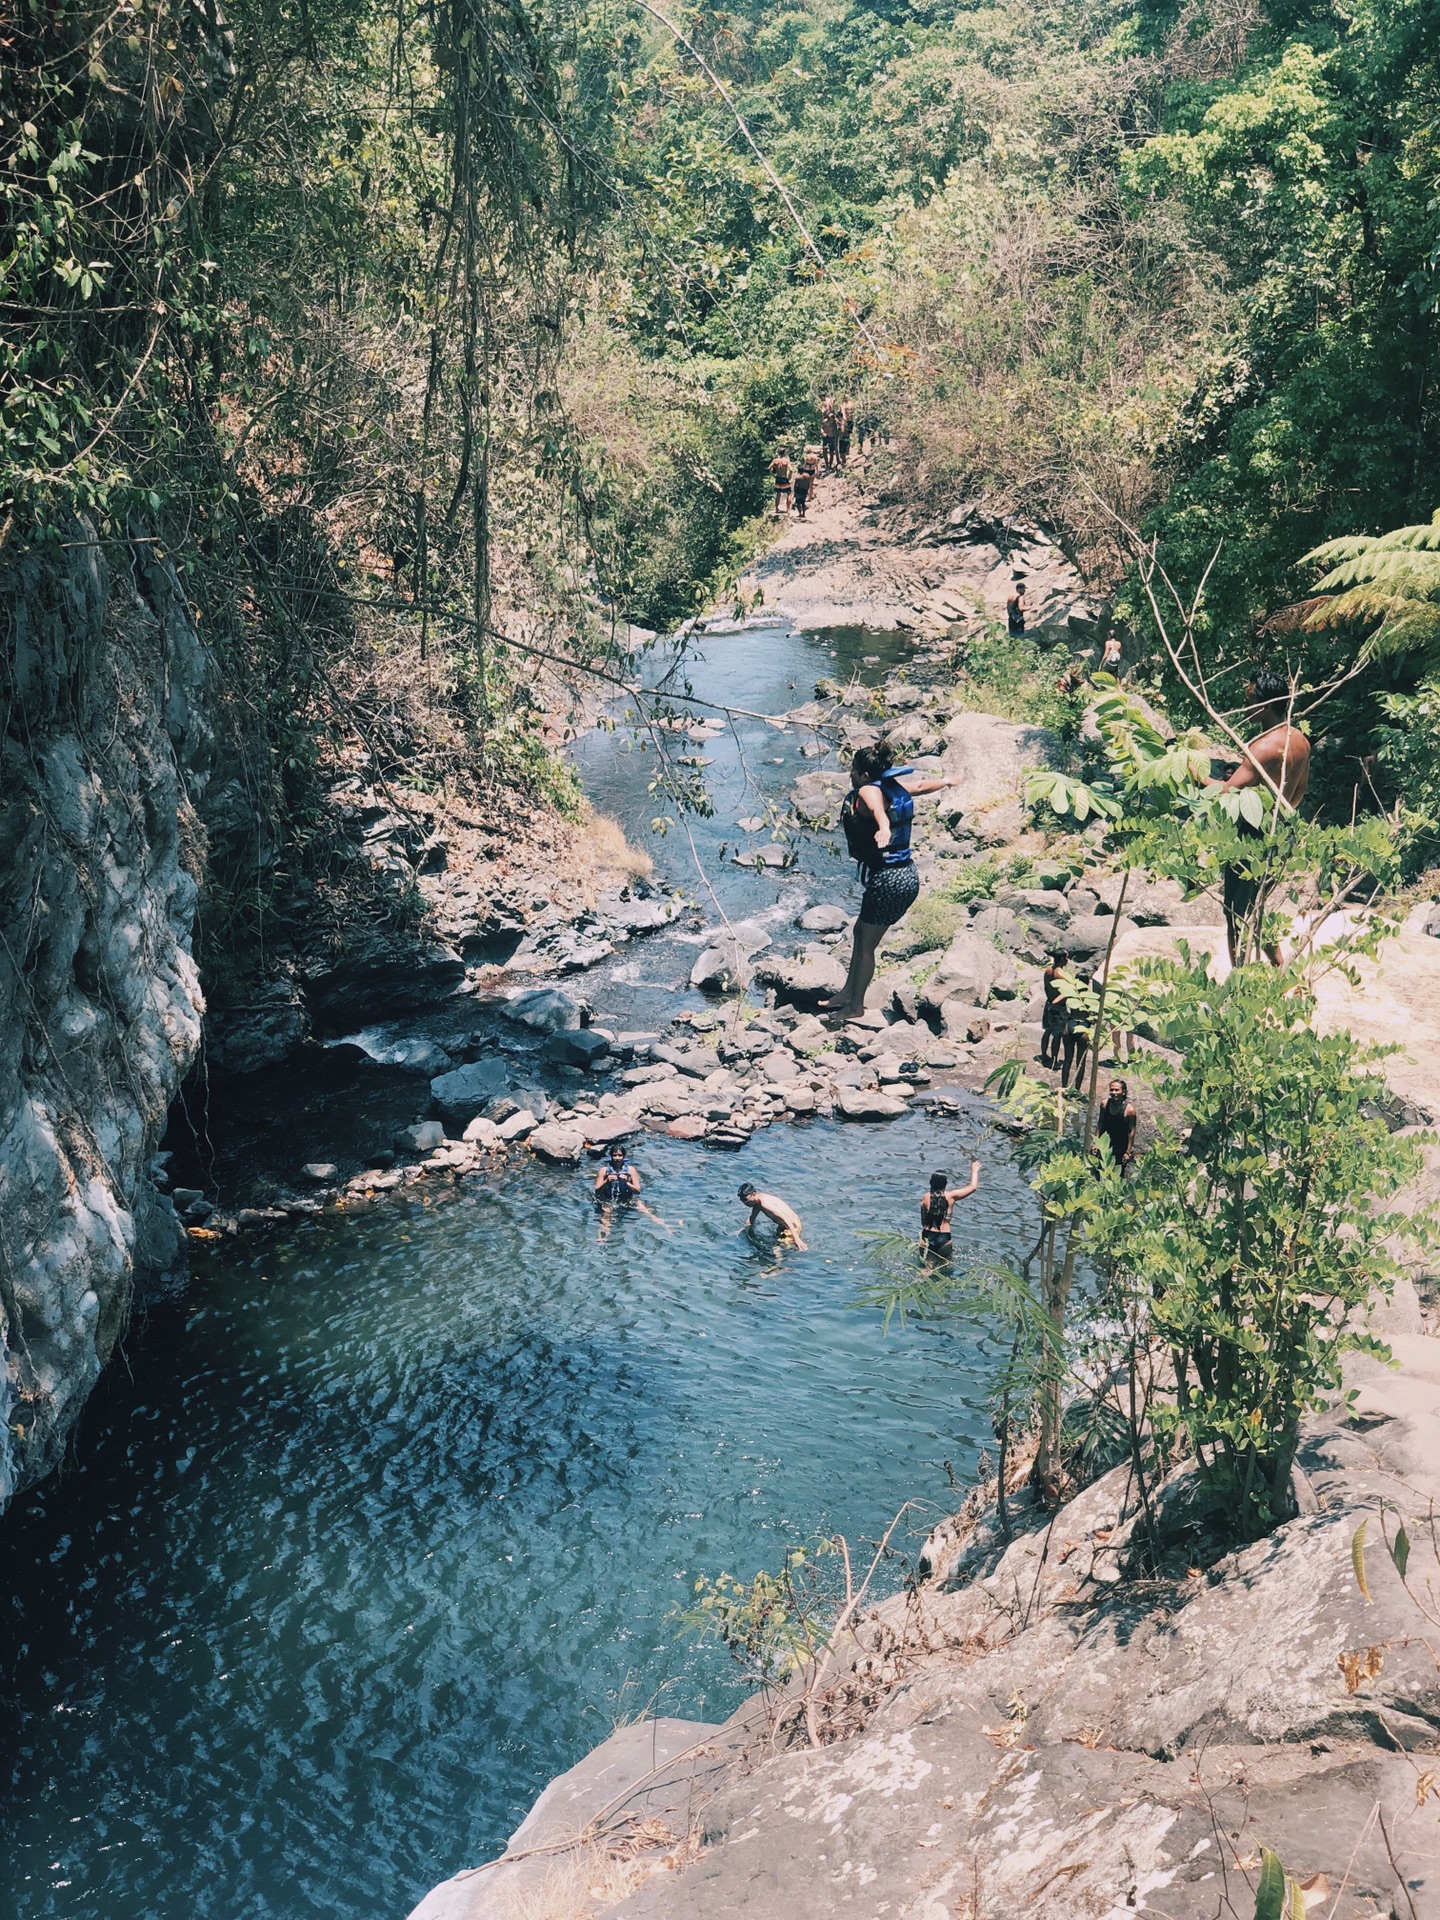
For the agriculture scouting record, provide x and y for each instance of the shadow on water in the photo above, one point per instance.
(380, 1527)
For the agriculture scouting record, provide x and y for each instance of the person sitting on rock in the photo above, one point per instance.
(773, 1208)
(877, 817)
(936, 1236)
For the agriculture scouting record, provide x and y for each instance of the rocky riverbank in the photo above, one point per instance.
(1042, 1727)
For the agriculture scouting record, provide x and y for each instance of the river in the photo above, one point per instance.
(379, 1527)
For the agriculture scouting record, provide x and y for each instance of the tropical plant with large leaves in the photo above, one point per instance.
(1384, 587)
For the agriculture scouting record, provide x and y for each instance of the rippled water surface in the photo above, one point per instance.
(376, 1530)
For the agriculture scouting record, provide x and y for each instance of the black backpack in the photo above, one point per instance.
(858, 824)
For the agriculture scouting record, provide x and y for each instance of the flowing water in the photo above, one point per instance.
(378, 1528)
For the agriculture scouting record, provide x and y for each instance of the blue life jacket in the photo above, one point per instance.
(616, 1185)
(900, 812)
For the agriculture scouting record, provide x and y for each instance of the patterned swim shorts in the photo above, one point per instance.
(890, 892)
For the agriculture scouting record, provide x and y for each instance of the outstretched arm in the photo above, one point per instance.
(918, 787)
(964, 1193)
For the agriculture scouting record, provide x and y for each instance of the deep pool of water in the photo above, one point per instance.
(376, 1530)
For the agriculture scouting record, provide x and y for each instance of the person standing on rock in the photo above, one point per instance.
(780, 472)
(1053, 1020)
(1116, 1123)
(1015, 608)
(829, 432)
(1075, 1046)
(937, 1240)
(878, 816)
(1277, 760)
(804, 480)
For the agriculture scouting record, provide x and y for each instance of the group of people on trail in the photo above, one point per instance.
(796, 480)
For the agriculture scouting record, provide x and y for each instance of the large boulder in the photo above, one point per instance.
(543, 1010)
(804, 981)
(459, 1095)
(973, 968)
(383, 979)
(1088, 934)
(724, 964)
(268, 1026)
(861, 1103)
(582, 1047)
(562, 1145)
(989, 758)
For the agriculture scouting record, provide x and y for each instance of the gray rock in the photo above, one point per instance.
(582, 1047)
(543, 1010)
(518, 1126)
(721, 969)
(773, 856)
(417, 1056)
(1088, 935)
(860, 1103)
(385, 978)
(605, 1132)
(972, 969)
(184, 1197)
(824, 919)
(484, 1133)
(999, 923)
(1045, 909)
(804, 981)
(423, 1137)
(800, 1099)
(269, 1026)
(459, 1095)
(563, 1145)
(322, 1172)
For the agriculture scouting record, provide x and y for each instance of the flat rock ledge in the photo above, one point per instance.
(1036, 1731)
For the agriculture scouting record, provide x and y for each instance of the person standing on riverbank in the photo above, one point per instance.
(829, 432)
(878, 816)
(804, 480)
(776, 1209)
(1116, 1123)
(1277, 759)
(780, 473)
(844, 429)
(1015, 609)
(1052, 1021)
(937, 1241)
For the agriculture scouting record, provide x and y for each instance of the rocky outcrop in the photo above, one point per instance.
(101, 854)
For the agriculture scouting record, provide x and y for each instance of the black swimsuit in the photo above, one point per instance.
(938, 1237)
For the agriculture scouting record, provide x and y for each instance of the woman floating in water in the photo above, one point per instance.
(878, 815)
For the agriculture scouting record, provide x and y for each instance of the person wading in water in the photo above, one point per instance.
(877, 817)
(1276, 760)
(617, 1184)
(936, 1237)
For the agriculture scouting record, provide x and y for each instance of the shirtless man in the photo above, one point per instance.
(781, 471)
(773, 1208)
(1276, 760)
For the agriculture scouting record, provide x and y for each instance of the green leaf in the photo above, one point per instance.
(1400, 1551)
(1252, 807)
(1357, 1558)
(1270, 1894)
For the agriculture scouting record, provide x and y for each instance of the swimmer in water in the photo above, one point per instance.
(773, 1208)
(617, 1184)
(936, 1237)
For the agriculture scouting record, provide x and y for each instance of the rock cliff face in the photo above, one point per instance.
(104, 751)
